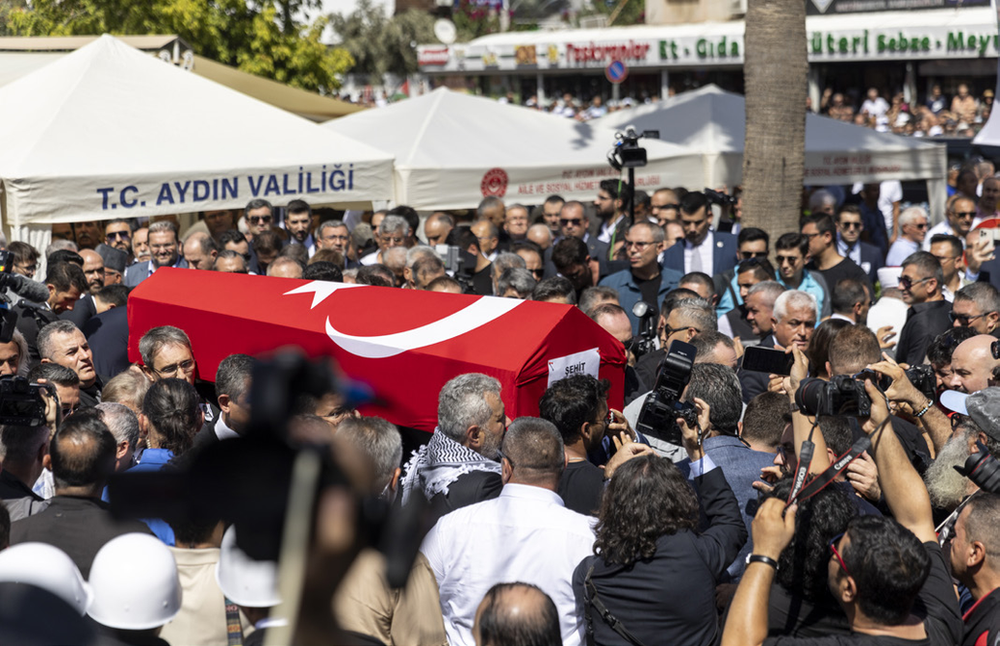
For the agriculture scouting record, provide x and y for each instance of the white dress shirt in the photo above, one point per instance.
(608, 229)
(704, 250)
(900, 251)
(223, 431)
(526, 535)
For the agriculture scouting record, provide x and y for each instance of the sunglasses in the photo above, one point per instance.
(753, 255)
(119, 235)
(921, 226)
(906, 282)
(851, 225)
(666, 207)
(966, 215)
(840, 559)
(963, 319)
(574, 222)
(260, 219)
(791, 260)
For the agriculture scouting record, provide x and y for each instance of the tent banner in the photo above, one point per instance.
(404, 344)
(68, 199)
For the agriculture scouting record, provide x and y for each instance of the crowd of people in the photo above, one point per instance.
(826, 502)
(938, 115)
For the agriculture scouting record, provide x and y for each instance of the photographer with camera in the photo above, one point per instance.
(888, 576)
(718, 388)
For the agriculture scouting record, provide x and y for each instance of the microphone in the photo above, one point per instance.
(30, 290)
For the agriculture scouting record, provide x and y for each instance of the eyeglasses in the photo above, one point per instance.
(810, 236)
(119, 235)
(187, 367)
(671, 330)
(850, 225)
(641, 246)
(571, 222)
(921, 226)
(963, 319)
(965, 215)
(907, 283)
(791, 260)
(260, 219)
(840, 559)
(753, 255)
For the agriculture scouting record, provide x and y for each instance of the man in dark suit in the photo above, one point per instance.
(612, 205)
(459, 467)
(232, 391)
(850, 245)
(703, 250)
(573, 224)
(163, 249)
(921, 283)
(107, 334)
(81, 456)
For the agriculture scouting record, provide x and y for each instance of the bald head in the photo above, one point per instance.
(93, 269)
(972, 364)
(516, 614)
(540, 235)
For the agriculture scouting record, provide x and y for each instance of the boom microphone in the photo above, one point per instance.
(30, 290)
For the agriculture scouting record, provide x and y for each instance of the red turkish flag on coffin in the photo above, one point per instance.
(405, 344)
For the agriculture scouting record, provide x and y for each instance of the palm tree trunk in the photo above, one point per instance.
(775, 71)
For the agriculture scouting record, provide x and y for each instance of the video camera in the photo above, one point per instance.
(658, 417)
(460, 264)
(21, 403)
(627, 153)
(255, 481)
(846, 395)
(645, 341)
(722, 199)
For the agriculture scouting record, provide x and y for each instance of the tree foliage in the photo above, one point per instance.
(379, 44)
(260, 38)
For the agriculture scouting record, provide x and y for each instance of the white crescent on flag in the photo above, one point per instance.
(479, 313)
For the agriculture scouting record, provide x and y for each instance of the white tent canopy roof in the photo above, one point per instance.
(453, 149)
(714, 121)
(108, 131)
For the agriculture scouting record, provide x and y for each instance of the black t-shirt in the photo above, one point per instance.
(795, 616)
(982, 622)
(581, 487)
(936, 601)
(846, 268)
(649, 288)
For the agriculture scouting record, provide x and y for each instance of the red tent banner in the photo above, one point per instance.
(405, 344)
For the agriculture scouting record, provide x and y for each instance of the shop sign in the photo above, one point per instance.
(829, 7)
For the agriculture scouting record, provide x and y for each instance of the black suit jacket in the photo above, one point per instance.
(107, 334)
(84, 309)
(924, 321)
(468, 489)
(670, 598)
(78, 526)
(31, 317)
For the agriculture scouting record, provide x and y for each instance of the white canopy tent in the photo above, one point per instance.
(714, 122)
(453, 149)
(108, 131)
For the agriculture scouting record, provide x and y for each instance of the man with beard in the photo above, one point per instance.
(88, 234)
(163, 253)
(298, 221)
(612, 204)
(118, 234)
(946, 486)
(459, 466)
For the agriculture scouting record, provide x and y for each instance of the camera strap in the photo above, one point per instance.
(820, 482)
(591, 598)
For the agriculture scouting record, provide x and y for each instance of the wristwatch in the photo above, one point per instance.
(760, 558)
